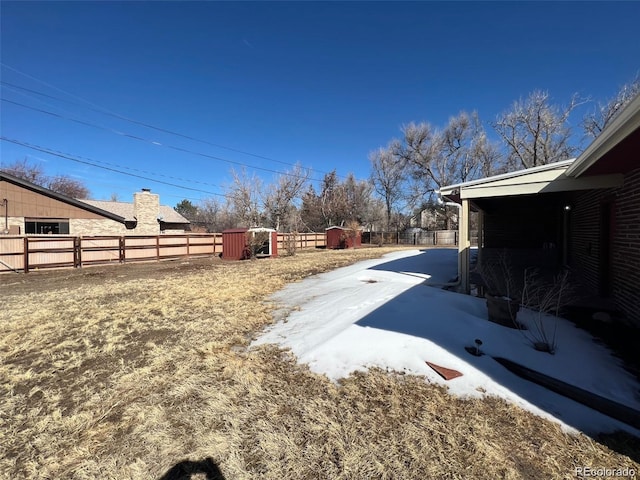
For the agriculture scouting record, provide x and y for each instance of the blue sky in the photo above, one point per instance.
(322, 84)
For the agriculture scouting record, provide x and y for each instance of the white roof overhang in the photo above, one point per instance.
(545, 179)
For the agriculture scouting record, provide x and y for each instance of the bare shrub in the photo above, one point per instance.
(290, 244)
(546, 297)
(256, 241)
(351, 232)
(499, 276)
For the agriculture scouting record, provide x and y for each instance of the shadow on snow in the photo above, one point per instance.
(452, 321)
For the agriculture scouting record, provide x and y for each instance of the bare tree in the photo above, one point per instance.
(331, 199)
(442, 157)
(356, 195)
(33, 172)
(214, 215)
(281, 196)
(419, 146)
(67, 186)
(489, 157)
(594, 122)
(535, 131)
(374, 215)
(458, 153)
(245, 197)
(311, 215)
(337, 203)
(388, 176)
(459, 157)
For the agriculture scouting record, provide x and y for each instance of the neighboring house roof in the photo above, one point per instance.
(126, 210)
(601, 165)
(63, 198)
(119, 211)
(340, 228)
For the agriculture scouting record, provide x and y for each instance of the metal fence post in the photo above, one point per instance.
(77, 252)
(121, 247)
(26, 254)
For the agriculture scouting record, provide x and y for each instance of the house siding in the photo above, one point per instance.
(26, 203)
(585, 246)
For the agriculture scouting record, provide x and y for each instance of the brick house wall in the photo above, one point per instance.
(587, 245)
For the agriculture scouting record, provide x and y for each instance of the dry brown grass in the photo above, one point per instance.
(122, 372)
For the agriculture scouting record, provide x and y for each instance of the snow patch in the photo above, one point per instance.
(382, 313)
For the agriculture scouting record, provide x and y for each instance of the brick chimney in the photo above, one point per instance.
(146, 209)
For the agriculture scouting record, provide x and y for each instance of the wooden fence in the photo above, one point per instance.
(301, 240)
(26, 253)
(32, 252)
(434, 238)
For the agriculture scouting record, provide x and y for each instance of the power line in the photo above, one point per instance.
(153, 142)
(88, 161)
(99, 109)
(127, 135)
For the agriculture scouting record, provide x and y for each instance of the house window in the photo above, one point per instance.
(43, 226)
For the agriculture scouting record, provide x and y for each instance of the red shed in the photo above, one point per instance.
(236, 247)
(270, 247)
(234, 243)
(338, 237)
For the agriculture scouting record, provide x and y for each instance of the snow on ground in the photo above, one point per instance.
(383, 313)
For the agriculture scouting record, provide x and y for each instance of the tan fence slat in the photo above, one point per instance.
(69, 251)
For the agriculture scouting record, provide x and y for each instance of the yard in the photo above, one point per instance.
(127, 371)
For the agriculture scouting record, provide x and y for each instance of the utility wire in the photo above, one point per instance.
(153, 142)
(99, 109)
(127, 135)
(93, 163)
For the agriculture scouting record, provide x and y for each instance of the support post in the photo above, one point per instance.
(480, 235)
(464, 246)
